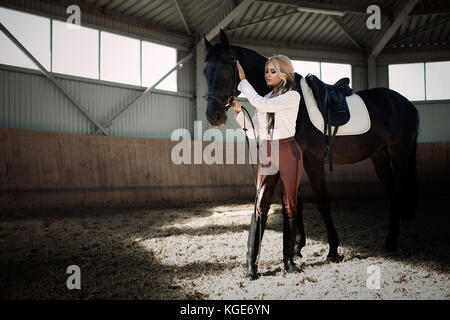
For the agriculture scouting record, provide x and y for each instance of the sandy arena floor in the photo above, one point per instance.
(198, 252)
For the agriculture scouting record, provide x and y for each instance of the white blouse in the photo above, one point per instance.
(285, 107)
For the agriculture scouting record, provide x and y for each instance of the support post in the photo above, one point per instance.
(372, 72)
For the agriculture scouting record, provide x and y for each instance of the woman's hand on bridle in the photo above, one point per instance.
(236, 105)
(241, 71)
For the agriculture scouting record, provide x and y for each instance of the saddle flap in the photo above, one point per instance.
(331, 100)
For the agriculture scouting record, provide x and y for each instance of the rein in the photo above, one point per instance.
(227, 103)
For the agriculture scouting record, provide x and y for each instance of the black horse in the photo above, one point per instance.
(390, 143)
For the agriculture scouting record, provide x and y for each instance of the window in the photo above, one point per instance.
(80, 51)
(332, 72)
(120, 59)
(306, 67)
(157, 60)
(408, 80)
(32, 31)
(437, 83)
(421, 81)
(75, 51)
(327, 72)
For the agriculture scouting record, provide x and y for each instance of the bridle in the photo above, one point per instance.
(228, 102)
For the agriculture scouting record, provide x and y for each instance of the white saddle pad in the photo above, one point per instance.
(359, 122)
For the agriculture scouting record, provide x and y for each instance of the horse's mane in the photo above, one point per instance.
(216, 49)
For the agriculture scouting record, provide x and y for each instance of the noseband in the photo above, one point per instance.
(228, 102)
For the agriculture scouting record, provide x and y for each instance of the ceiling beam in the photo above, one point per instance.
(430, 12)
(421, 31)
(229, 11)
(385, 36)
(182, 17)
(332, 8)
(133, 102)
(313, 51)
(359, 10)
(344, 30)
(262, 20)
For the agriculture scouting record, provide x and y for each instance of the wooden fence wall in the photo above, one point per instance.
(41, 169)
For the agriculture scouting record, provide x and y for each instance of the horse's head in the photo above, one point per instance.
(222, 79)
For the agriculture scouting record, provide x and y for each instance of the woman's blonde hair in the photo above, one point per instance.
(285, 70)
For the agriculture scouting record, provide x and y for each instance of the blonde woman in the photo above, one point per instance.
(274, 119)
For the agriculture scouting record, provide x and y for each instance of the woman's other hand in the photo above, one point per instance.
(236, 105)
(241, 71)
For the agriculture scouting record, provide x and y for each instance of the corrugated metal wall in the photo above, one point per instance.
(29, 101)
(186, 83)
(434, 121)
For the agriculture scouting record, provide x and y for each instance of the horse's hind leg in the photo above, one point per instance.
(316, 174)
(401, 202)
(382, 163)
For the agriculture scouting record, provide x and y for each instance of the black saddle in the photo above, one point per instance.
(331, 99)
(332, 105)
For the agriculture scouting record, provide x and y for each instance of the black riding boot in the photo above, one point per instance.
(255, 234)
(289, 235)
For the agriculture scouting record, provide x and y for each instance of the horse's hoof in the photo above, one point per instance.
(251, 276)
(390, 247)
(251, 273)
(334, 257)
(298, 253)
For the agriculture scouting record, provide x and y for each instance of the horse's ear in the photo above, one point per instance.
(207, 43)
(224, 38)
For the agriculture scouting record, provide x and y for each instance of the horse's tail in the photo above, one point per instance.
(412, 187)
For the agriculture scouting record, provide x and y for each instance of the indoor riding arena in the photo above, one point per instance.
(115, 183)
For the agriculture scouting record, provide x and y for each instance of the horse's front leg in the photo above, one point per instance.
(300, 240)
(316, 174)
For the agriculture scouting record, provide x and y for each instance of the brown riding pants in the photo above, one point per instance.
(290, 165)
